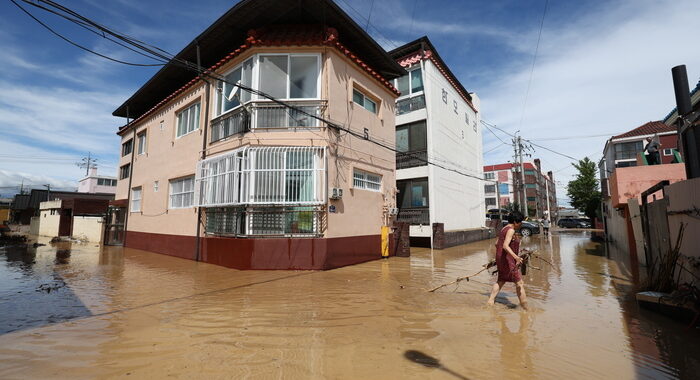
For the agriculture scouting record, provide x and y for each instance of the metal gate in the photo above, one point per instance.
(114, 228)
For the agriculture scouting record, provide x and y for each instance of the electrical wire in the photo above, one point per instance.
(534, 59)
(206, 73)
(78, 45)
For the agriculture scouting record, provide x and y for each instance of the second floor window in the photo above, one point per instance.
(124, 171)
(289, 76)
(188, 120)
(412, 193)
(106, 182)
(490, 175)
(628, 150)
(490, 188)
(411, 83)
(412, 137)
(127, 147)
(182, 192)
(141, 142)
(362, 99)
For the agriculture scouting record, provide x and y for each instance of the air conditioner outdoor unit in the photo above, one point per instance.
(336, 193)
(393, 211)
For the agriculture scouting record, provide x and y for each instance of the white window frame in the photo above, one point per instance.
(670, 151)
(365, 98)
(218, 105)
(155, 186)
(362, 180)
(136, 201)
(172, 194)
(256, 73)
(410, 80)
(230, 179)
(179, 114)
(141, 142)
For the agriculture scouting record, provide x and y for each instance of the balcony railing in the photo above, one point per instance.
(411, 159)
(267, 115)
(414, 216)
(234, 122)
(266, 221)
(410, 104)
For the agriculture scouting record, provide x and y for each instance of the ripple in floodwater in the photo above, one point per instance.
(87, 312)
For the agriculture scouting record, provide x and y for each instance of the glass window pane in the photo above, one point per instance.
(403, 197)
(416, 81)
(195, 117)
(303, 77)
(246, 79)
(419, 137)
(358, 98)
(228, 86)
(402, 139)
(370, 105)
(273, 75)
(402, 85)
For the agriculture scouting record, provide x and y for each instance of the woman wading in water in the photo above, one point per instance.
(507, 260)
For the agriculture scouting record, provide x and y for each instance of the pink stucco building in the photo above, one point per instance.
(625, 175)
(211, 171)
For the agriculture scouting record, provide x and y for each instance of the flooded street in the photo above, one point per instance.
(81, 312)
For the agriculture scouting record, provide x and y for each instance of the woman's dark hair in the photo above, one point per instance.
(515, 217)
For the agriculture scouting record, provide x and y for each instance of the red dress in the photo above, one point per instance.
(507, 268)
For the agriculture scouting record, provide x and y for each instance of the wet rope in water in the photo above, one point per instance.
(525, 256)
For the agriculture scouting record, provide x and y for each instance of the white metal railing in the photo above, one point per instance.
(270, 115)
(279, 176)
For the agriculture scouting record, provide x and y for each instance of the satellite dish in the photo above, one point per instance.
(234, 92)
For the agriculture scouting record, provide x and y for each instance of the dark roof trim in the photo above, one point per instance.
(231, 30)
(425, 44)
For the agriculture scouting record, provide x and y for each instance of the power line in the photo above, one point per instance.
(206, 73)
(78, 45)
(534, 59)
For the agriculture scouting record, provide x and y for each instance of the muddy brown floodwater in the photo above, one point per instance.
(86, 312)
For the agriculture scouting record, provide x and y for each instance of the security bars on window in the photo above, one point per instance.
(366, 181)
(278, 176)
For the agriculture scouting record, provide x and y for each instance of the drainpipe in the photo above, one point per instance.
(204, 152)
(131, 177)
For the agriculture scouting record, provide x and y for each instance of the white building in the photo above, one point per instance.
(437, 120)
(94, 183)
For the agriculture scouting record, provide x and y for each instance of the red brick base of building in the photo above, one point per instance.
(265, 253)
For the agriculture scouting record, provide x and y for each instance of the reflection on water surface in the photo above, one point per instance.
(83, 312)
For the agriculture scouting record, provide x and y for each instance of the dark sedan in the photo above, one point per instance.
(527, 228)
(573, 223)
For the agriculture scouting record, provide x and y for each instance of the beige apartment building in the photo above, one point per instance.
(212, 171)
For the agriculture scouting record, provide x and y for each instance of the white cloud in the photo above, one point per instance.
(604, 74)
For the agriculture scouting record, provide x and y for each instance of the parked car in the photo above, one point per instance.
(574, 223)
(492, 213)
(527, 228)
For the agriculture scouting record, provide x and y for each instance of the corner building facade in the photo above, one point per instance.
(222, 174)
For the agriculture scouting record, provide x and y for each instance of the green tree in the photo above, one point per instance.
(583, 191)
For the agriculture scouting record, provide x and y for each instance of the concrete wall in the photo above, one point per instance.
(630, 182)
(4, 214)
(617, 227)
(88, 228)
(34, 224)
(167, 157)
(684, 201)
(48, 224)
(455, 200)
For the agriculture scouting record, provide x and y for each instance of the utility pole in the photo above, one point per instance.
(520, 182)
(87, 163)
(48, 194)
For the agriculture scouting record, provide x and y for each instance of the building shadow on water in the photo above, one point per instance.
(32, 291)
(430, 362)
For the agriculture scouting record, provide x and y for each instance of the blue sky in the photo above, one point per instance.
(603, 68)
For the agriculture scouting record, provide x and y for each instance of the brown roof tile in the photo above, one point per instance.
(649, 128)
